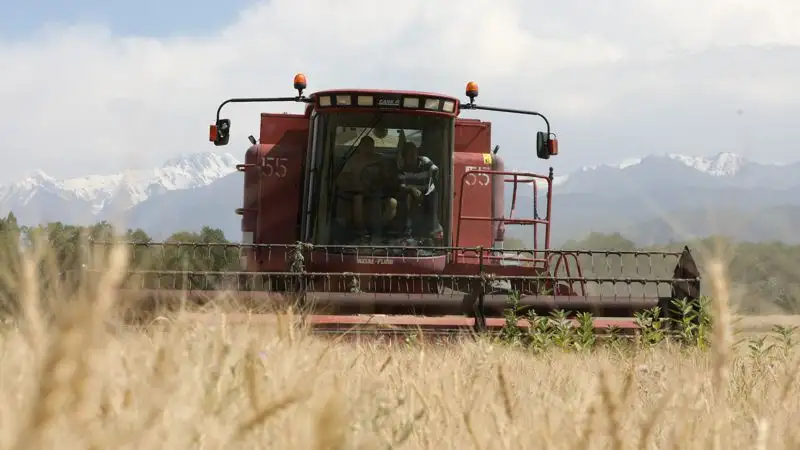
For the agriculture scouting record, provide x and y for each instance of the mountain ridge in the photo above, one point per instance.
(724, 168)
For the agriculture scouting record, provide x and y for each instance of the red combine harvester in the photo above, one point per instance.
(385, 210)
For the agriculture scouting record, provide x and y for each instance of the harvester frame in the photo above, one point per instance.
(445, 287)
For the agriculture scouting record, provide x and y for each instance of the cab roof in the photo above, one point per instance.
(383, 99)
(385, 92)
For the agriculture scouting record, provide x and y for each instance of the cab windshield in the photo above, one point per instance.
(381, 179)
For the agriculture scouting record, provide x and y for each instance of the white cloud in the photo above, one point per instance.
(614, 76)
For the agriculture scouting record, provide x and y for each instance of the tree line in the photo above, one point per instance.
(70, 247)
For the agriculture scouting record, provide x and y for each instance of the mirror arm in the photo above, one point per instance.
(299, 99)
(508, 110)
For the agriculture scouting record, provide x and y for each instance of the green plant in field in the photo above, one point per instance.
(614, 340)
(692, 325)
(693, 322)
(706, 321)
(584, 335)
(538, 337)
(785, 337)
(510, 332)
(562, 330)
(777, 346)
(541, 333)
(651, 326)
(759, 349)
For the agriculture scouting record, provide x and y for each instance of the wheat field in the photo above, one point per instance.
(77, 378)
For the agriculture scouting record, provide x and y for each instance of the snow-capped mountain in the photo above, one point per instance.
(182, 172)
(721, 164)
(724, 170)
(95, 196)
(725, 167)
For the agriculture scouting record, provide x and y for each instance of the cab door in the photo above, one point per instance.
(472, 193)
(273, 188)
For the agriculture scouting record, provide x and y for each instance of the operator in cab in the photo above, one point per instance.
(364, 177)
(417, 177)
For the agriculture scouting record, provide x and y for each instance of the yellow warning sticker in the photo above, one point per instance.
(487, 158)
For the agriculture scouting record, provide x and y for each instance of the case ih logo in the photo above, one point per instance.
(389, 102)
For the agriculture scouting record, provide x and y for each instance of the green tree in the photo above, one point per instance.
(186, 250)
(10, 246)
(62, 245)
(186, 259)
(600, 241)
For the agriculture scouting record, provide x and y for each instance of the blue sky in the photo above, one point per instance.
(97, 87)
(157, 18)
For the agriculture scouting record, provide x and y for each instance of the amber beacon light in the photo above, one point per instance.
(472, 91)
(300, 83)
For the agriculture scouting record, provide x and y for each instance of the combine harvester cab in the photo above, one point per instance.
(428, 251)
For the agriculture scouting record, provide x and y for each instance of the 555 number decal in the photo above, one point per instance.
(274, 166)
(476, 179)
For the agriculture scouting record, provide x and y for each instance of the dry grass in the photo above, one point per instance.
(80, 382)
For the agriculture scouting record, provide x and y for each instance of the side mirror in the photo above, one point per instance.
(545, 145)
(542, 150)
(219, 133)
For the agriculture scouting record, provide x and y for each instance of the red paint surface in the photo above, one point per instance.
(473, 136)
(424, 323)
(443, 321)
